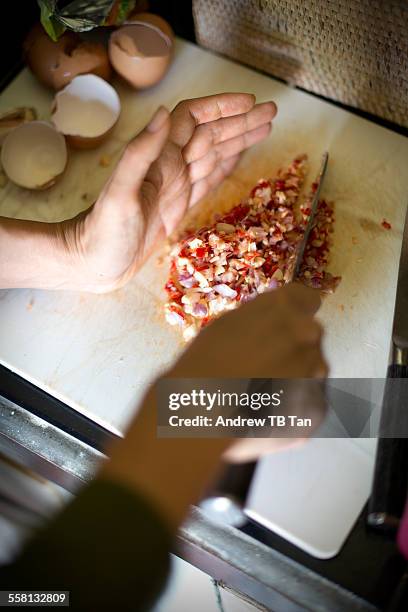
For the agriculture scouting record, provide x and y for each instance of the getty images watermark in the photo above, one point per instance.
(212, 401)
(335, 408)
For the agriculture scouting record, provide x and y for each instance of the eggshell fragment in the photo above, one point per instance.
(86, 111)
(55, 64)
(141, 53)
(154, 20)
(34, 155)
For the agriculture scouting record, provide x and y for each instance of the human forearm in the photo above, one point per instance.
(170, 473)
(109, 548)
(32, 255)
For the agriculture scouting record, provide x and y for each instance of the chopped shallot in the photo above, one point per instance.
(249, 250)
(225, 291)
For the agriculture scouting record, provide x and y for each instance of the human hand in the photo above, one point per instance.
(273, 336)
(167, 168)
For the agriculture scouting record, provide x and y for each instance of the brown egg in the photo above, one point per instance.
(55, 64)
(86, 111)
(34, 155)
(141, 51)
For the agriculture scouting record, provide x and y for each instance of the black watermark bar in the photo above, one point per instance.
(11, 599)
(262, 408)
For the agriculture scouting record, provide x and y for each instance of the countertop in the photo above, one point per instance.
(98, 353)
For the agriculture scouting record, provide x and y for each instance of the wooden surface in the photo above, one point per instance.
(98, 352)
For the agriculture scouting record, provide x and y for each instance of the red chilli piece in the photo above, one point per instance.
(175, 294)
(177, 311)
(170, 287)
(386, 225)
(184, 252)
(236, 214)
(201, 267)
(201, 252)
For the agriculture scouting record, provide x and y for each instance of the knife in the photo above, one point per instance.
(297, 262)
(226, 500)
(390, 483)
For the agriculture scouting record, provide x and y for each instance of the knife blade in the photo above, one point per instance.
(390, 483)
(225, 501)
(400, 326)
(297, 262)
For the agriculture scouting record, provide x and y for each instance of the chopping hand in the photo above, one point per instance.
(226, 500)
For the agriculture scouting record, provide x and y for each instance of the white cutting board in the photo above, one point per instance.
(311, 495)
(97, 353)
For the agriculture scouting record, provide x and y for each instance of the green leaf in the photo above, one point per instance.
(83, 15)
(80, 15)
(51, 24)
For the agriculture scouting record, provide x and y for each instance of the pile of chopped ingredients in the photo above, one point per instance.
(249, 250)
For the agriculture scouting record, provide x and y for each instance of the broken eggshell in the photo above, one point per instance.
(34, 155)
(152, 19)
(55, 64)
(141, 53)
(86, 111)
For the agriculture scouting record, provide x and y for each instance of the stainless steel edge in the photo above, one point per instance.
(260, 572)
(45, 448)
